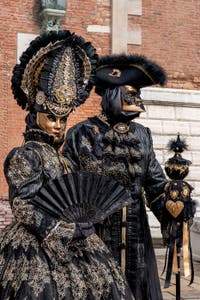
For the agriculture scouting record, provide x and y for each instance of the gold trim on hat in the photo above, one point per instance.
(115, 73)
(55, 108)
(27, 83)
(129, 65)
(64, 94)
(144, 71)
(64, 85)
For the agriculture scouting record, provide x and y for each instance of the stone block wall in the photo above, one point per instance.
(168, 112)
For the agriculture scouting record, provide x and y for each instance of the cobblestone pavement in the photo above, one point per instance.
(187, 292)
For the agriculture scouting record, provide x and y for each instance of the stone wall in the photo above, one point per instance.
(169, 111)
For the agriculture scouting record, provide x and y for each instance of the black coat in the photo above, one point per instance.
(94, 145)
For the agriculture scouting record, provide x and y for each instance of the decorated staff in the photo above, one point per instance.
(178, 215)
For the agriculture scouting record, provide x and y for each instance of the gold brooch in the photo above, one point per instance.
(95, 129)
(64, 94)
(174, 194)
(185, 192)
(121, 127)
(115, 73)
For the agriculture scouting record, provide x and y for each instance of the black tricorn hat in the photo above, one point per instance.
(135, 70)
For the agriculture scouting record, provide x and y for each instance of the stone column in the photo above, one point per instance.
(121, 35)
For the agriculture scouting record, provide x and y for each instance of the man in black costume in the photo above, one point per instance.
(114, 145)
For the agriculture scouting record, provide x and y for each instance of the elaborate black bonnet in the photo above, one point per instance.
(55, 73)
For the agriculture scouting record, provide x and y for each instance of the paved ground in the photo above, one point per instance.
(187, 292)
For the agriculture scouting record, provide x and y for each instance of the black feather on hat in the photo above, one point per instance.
(55, 73)
(135, 70)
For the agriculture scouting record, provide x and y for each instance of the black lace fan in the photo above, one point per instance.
(82, 197)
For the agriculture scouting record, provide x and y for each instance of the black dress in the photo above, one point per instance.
(39, 258)
(125, 153)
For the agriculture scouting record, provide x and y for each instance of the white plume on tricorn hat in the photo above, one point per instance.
(55, 73)
(135, 70)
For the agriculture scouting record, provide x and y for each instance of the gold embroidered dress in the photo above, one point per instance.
(39, 258)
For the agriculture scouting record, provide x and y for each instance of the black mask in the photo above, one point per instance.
(112, 106)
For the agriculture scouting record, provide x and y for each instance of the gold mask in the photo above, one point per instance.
(137, 101)
(52, 124)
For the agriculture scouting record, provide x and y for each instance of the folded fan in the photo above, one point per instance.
(82, 197)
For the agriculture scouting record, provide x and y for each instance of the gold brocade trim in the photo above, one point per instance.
(64, 84)
(175, 260)
(62, 108)
(186, 264)
(22, 268)
(23, 211)
(48, 160)
(99, 275)
(19, 169)
(123, 250)
(27, 84)
(63, 95)
(58, 109)
(173, 166)
(56, 243)
(61, 158)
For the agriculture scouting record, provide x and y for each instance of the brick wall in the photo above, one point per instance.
(169, 35)
(5, 212)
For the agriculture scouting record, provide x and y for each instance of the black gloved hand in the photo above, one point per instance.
(83, 230)
(189, 209)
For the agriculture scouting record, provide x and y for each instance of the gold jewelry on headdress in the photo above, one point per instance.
(56, 108)
(64, 85)
(27, 84)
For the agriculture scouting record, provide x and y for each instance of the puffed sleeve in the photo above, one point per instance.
(25, 176)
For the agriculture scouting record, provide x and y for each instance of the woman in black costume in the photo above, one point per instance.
(42, 257)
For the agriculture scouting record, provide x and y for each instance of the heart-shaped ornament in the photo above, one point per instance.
(174, 208)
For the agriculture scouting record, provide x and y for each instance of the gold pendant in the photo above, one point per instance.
(174, 208)
(121, 127)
